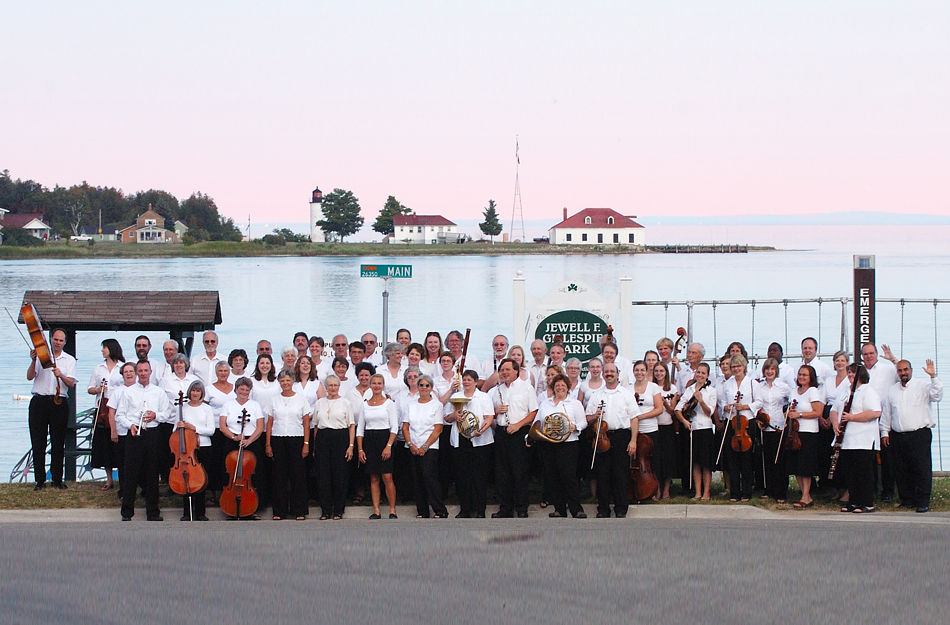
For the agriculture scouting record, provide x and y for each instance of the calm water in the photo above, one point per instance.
(274, 297)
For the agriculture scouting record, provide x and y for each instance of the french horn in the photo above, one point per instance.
(466, 421)
(554, 428)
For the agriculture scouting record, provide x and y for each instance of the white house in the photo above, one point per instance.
(31, 222)
(597, 226)
(424, 229)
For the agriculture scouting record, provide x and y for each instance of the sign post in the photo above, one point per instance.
(386, 272)
(864, 302)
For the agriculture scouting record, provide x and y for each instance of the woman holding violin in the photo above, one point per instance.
(695, 411)
(241, 423)
(737, 416)
(665, 459)
(808, 407)
(649, 398)
(198, 417)
(105, 376)
(287, 437)
(375, 435)
(771, 396)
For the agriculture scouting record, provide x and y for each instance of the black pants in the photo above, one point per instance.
(825, 438)
(47, 417)
(402, 471)
(471, 479)
(776, 475)
(887, 473)
(141, 456)
(332, 470)
(613, 474)
(425, 473)
(913, 465)
(511, 470)
(289, 477)
(165, 455)
(741, 470)
(560, 464)
(859, 475)
(446, 461)
(197, 499)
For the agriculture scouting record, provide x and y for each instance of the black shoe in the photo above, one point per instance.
(463, 515)
(126, 518)
(580, 515)
(479, 515)
(558, 515)
(886, 498)
(909, 506)
(59, 485)
(620, 515)
(523, 514)
(39, 486)
(922, 509)
(184, 517)
(603, 515)
(501, 515)
(155, 518)
(202, 518)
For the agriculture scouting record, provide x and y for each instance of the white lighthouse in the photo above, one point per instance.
(316, 214)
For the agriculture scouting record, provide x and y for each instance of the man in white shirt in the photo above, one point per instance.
(203, 365)
(537, 369)
(142, 407)
(883, 375)
(264, 347)
(488, 376)
(907, 429)
(143, 345)
(786, 372)
(371, 342)
(49, 410)
(822, 370)
(301, 342)
(516, 405)
(684, 373)
(613, 466)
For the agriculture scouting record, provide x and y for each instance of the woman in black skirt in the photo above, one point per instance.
(664, 453)
(106, 376)
(808, 408)
(697, 420)
(376, 430)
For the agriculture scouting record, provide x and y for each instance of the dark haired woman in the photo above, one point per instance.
(105, 376)
(860, 440)
(808, 407)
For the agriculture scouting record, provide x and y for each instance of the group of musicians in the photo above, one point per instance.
(429, 415)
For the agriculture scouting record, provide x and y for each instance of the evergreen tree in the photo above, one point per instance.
(384, 222)
(491, 226)
(341, 214)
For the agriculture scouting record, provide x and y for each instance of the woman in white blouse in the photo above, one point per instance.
(375, 435)
(649, 398)
(472, 456)
(198, 417)
(836, 389)
(392, 370)
(217, 395)
(560, 459)
(105, 376)
(305, 380)
(860, 441)
(807, 408)
(335, 434)
(239, 432)
(178, 379)
(421, 427)
(771, 396)
(288, 443)
(698, 422)
(665, 457)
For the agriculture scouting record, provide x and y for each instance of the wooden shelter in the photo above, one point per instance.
(180, 313)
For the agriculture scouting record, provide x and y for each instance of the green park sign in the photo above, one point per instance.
(579, 331)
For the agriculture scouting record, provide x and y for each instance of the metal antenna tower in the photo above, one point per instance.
(517, 216)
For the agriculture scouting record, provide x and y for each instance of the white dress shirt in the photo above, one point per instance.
(520, 398)
(422, 419)
(45, 382)
(771, 398)
(699, 420)
(203, 367)
(620, 406)
(136, 399)
(481, 406)
(288, 414)
(907, 408)
(574, 411)
(334, 414)
(202, 417)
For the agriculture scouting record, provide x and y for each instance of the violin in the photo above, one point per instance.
(43, 352)
(792, 441)
(239, 499)
(599, 441)
(741, 441)
(689, 408)
(643, 482)
(186, 476)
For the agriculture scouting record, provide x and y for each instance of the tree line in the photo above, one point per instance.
(70, 210)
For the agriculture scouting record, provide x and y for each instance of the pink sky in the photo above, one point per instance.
(694, 109)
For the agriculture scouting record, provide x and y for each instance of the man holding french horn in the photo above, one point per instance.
(619, 409)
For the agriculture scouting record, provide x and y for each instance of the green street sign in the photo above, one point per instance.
(385, 271)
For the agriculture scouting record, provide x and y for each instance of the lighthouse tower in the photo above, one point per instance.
(316, 214)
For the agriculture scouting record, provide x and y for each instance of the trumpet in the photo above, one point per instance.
(554, 428)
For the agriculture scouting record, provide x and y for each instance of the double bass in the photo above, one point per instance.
(186, 477)
(239, 499)
(677, 347)
(643, 482)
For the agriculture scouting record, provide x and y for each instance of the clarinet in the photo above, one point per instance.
(840, 437)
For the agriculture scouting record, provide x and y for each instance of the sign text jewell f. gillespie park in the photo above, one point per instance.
(580, 332)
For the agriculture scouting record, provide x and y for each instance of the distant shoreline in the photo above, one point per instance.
(229, 249)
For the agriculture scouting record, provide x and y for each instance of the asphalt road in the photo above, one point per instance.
(817, 569)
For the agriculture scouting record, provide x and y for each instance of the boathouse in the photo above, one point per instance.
(597, 226)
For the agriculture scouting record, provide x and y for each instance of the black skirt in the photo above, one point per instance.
(103, 449)
(804, 462)
(703, 453)
(664, 453)
(374, 442)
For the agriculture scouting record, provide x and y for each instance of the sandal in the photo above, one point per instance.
(276, 517)
(323, 517)
(863, 510)
(543, 504)
(801, 505)
(301, 518)
(848, 508)
(337, 517)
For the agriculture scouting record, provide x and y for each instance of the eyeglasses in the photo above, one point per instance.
(339, 345)
(210, 341)
(425, 385)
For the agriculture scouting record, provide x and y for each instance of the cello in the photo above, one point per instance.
(239, 499)
(186, 477)
(643, 482)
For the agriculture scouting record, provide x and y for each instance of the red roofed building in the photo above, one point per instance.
(597, 226)
(30, 222)
(426, 229)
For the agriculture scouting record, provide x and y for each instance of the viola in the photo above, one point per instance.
(599, 441)
(186, 477)
(643, 482)
(239, 499)
(792, 441)
(43, 352)
(741, 441)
